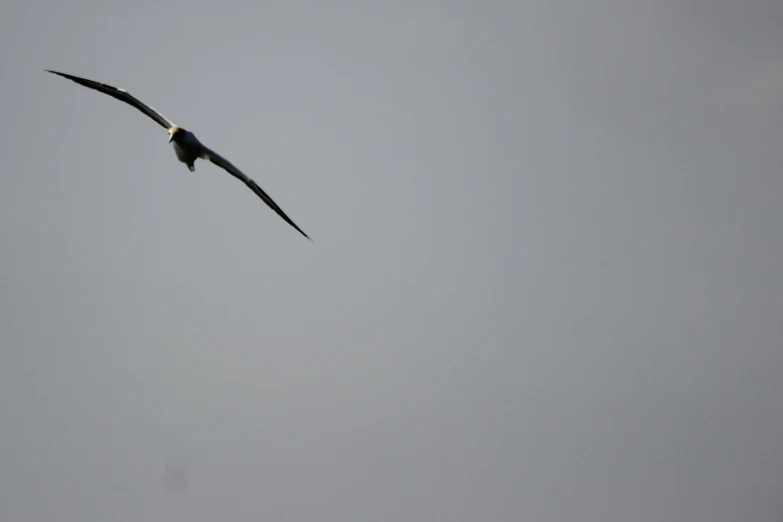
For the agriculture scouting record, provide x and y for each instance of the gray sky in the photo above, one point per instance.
(546, 280)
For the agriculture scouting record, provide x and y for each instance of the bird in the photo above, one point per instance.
(187, 147)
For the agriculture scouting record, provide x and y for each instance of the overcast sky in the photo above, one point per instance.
(546, 283)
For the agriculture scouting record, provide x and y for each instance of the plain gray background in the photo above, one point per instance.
(545, 285)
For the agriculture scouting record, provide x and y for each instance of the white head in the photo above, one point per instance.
(175, 133)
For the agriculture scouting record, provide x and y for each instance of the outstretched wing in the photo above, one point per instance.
(223, 163)
(121, 95)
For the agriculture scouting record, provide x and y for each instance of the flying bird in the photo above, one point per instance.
(186, 146)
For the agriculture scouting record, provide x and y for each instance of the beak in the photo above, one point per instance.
(171, 137)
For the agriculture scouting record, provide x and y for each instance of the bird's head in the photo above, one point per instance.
(175, 133)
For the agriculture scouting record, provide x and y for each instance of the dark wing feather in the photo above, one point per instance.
(119, 94)
(223, 163)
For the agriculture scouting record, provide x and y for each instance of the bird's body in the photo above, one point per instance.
(187, 147)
